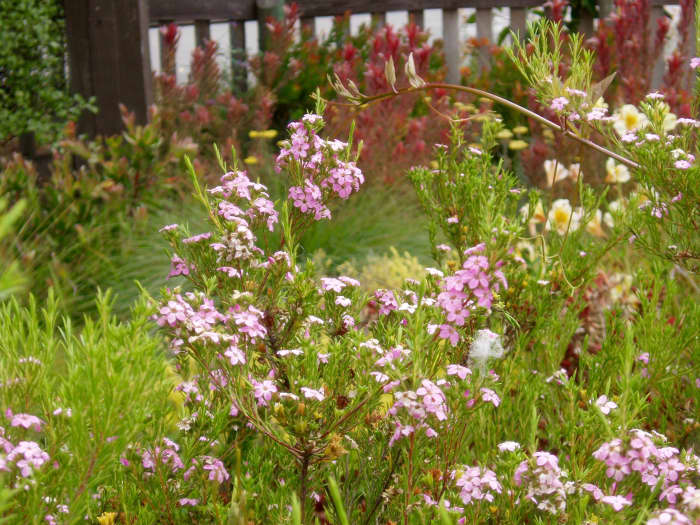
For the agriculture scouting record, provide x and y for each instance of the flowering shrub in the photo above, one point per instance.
(529, 377)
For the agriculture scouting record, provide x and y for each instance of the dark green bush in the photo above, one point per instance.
(34, 94)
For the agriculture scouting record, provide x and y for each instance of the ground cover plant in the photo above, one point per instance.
(543, 368)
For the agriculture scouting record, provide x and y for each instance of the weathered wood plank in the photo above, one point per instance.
(189, 10)
(202, 32)
(450, 36)
(484, 31)
(518, 21)
(416, 15)
(378, 19)
(660, 65)
(109, 59)
(239, 73)
(267, 9)
(166, 65)
(79, 50)
(308, 23)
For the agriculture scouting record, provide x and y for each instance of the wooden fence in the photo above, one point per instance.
(109, 47)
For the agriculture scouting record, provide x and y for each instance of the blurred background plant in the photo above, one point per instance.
(34, 94)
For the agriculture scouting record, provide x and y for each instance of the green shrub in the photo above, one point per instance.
(34, 94)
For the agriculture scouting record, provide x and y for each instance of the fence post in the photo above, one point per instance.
(450, 36)
(239, 73)
(267, 9)
(109, 59)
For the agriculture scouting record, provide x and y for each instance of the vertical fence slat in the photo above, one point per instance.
(416, 15)
(308, 23)
(518, 21)
(660, 66)
(109, 59)
(163, 52)
(585, 25)
(239, 74)
(450, 35)
(484, 31)
(202, 32)
(267, 9)
(378, 20)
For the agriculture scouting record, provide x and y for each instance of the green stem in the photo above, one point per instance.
(509, 104)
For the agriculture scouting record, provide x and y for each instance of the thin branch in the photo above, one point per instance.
(500, 100)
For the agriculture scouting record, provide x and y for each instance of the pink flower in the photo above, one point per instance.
(489, 396)
(235, 355)
(26, 421)
(217, 471)
(458, 370)
(263, 391)
(559, 103)
(197, 238)
(616, 502)
(188, 501)
(694, 62)
(449, 333)
(310, 393)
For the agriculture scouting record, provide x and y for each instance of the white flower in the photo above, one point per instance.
(605, 405)
(486, 345)
(628, 118)
(616, 173)
(575, 171)
(508, 446)
(594, 226)
(555, 172)
(562, 218)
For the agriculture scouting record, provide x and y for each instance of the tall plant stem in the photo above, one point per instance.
(302, 489)
(512, 105)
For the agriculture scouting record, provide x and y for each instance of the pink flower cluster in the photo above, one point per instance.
(544, 481)
(418, 405)
(26, 456)
(201, 323)
(471, 287)
(319, 167)
(167, 455)
(476, 484)
(639, 453)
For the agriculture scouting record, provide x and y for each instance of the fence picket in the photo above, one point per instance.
(417, 16)
(518, 21)
(450, 36)
(484, 32)
(202, 32)
(378, 19)
(239, 73)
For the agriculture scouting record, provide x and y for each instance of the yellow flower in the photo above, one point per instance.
(504, 134)
(628, 119)
(616, 173)
(517, 145)
(520, 130)
(561, 217)
(434, 164)
(107, 518)
(594, 226)
(251, 160)
(575, 171)
(264, 134)
(555, 171)
(538, 216)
